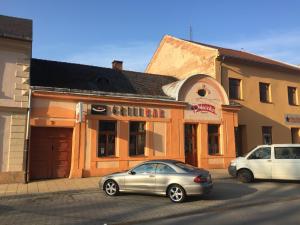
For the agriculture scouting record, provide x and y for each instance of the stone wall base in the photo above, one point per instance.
(12, 177)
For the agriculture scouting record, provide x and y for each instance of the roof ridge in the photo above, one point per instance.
(275, 60)
(15, 17)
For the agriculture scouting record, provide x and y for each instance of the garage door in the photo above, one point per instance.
(50, 152)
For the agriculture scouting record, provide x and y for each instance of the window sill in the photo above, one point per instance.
(236, 99)
(293, 104)
(267, 102)
(215, 155)
(138, 156)
(108, 157)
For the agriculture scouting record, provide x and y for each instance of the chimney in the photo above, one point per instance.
(117, 65)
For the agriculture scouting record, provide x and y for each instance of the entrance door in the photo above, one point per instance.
(240, 140)
(190, 144)
(295, 135)
(50, 152)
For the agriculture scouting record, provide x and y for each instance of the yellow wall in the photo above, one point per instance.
(255, 114)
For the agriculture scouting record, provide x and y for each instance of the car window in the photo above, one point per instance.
(186, 167)
(261, 153)
(145, 168)
(287, 152)
(164, 169)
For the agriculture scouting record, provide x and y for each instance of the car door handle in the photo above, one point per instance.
(269, 160)
(151, 175)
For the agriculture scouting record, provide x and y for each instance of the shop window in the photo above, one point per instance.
(106, 138)
(264, 92)
(234, 88)
(292, 95)
(213, 139)
(267, 135)
(137, 137)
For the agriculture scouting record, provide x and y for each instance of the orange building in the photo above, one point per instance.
(90, 121)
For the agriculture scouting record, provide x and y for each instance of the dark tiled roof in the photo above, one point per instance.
(47, 73)
(16, 28)
(248, 56)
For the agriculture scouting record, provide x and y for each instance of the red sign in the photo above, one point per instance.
(204, 108)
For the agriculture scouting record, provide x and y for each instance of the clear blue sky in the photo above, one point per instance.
(97, 32)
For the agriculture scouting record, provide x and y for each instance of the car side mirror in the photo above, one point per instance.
(132, 172)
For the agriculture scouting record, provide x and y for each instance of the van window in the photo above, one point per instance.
(261, 153)
(287, 152)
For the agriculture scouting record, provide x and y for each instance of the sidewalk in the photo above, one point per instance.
(65, 184)
(219, 174)
(49, 186)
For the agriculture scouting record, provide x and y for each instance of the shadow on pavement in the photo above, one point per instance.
(277, 181)
(226, 191)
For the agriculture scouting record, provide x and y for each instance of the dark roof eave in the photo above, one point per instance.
(102, 93)
(15, 37)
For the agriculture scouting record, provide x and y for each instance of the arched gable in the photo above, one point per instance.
(204, 95)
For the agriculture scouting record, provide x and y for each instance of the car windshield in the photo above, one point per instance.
(186, 167)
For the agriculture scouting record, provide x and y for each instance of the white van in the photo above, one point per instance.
(277, 161)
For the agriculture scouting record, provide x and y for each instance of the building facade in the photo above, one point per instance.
(15, 56)
(90, 121)
(267, 90)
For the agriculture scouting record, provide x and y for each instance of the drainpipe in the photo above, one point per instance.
(27, 144)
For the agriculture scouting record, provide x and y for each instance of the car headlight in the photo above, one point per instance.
(233, 163)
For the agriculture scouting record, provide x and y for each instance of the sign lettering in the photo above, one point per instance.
(127, 111)
(204, 108)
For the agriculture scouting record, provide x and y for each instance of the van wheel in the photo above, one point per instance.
(245, 176)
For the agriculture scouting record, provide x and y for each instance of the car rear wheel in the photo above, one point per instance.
(176, 193)
(245, 176)
(111, 188)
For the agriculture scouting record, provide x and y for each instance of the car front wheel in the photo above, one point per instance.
(111, 188)
(176, 193)
(245, 176)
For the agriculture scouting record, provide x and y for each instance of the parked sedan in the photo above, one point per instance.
(171, 178)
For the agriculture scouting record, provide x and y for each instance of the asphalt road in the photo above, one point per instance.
(264, 202)
(275, 213)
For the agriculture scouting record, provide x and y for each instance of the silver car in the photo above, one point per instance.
(171, 178)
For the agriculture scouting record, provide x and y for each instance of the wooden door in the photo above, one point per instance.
(50, 152)
(190, 144)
